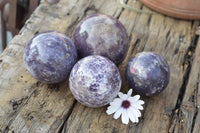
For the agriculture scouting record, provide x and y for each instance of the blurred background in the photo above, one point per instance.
(13, 14)
(9, 38)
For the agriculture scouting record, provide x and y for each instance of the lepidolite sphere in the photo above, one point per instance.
(147, 73)
(101, 35)
(49, 56)
(95, 81)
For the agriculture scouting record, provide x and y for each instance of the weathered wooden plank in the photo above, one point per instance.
(186, 119)
(17, 85)
(169, 37)
(27, 105)
(196, 128)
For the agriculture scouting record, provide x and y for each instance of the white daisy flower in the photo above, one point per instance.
(127, 106)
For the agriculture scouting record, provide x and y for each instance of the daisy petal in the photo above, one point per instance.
(112, 109)
(136, 119)
(137, 106)
(135, 98)
(125, 117)
(116, 101)
(136, 112)
(109, 112)
(120, 94)
(118, 113)
(140, 102)
(129, 92)
(131, 115)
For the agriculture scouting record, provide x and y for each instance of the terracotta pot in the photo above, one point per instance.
(185, 9)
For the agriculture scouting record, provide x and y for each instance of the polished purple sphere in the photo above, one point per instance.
(49, 56)
(101, 35)
(95, 81)
(147, 73)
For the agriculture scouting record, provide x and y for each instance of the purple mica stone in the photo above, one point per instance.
(95, 81)
(49, 56)
(101, 35)
(147, 73)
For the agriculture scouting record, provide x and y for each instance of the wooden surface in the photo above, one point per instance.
(29, 106)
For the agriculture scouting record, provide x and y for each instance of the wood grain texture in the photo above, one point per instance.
(186, 117)
(27, 105)
(169, 37)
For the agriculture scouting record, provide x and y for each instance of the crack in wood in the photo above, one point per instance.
(149, 20)
(176, 50)
(192, 24)
(195, 103)
(188, 59)
(135, 44)
(62, 129)
(167, 35)
(167, 43)
(126, 1)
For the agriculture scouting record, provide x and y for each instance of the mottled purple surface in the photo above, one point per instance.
(95, 81)
(101, 35)
(147, 73)
(49, 56)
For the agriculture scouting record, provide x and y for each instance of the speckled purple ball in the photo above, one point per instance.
(49, 56)
(101, 35)
(95, 81)
(147, 73)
